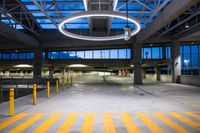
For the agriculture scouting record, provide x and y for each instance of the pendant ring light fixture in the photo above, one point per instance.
(98, 14)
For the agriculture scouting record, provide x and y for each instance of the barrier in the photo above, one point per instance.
(12, 104)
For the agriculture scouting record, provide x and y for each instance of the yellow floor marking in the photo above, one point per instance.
(67, 124)
(150, 124)
(11, 120)
(176, 127)
(129, 124)
(26, 124)
(47, 124)
(193, 115)
(88, 123)
(109, 126)
(186, 120)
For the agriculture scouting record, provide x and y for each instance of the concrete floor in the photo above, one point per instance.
(114, 105)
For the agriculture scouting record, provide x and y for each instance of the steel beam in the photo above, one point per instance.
(14, 34)
(193, 29)
(172, 11)
(43, 11)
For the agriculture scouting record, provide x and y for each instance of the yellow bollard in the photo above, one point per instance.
(56, 86)
(34, 94)
(12, 104)
(48, 89)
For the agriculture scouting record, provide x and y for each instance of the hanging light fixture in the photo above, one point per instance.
(127, 28)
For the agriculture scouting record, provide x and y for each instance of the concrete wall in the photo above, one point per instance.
(190, 80)
(151, 77)
(163, 77)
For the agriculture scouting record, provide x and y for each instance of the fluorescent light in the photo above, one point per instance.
(77, 65)
(187, 26)
(23, 66)
(98, 14)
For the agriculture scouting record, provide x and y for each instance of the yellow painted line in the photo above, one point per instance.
(68, 123)
(193, 115)
(88, 123)
(173, 125)
(129, 124)
(109, 126)
(12, 120)
(47, 124)
(186, 120)
(26, 124)
(150, 124)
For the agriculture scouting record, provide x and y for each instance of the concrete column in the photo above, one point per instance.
(157, 73)
(51, 71)
(143, 73)
(37, 70)
(176, 62)
(137, 62)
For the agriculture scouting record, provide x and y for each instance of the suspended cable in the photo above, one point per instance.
(127, 12)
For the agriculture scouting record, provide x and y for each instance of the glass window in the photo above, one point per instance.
(13, 56)
(48, 26)
(122, 53)
(195, 56)
(5, 56)
(44, 55)
(113, 54)
(187, 61)
(53, 55)
(63, 55)
(105, 54)
(128, 53)
(22, 56)
(147, 53)
(168, 52)
(199, 56)
(72, 55)
(30, 55)
(97, 54)
(80, 54)
(88, 54)
(155, 53)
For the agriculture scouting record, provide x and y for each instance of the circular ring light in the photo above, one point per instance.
(97, 14)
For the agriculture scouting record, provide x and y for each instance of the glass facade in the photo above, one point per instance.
(17, 56)
(156, 53)
(124, 53)
(92, 54)
(190, 59)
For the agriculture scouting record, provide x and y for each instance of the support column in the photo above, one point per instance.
(143, 73)
(51, 71)
(137, 62)
(37, 70)
(176, 62)
(157, 73)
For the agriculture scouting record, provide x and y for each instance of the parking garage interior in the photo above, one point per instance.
(112, 66)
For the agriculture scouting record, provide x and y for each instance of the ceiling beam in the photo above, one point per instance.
(172, 11)
(187, 32)
(16, 35)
